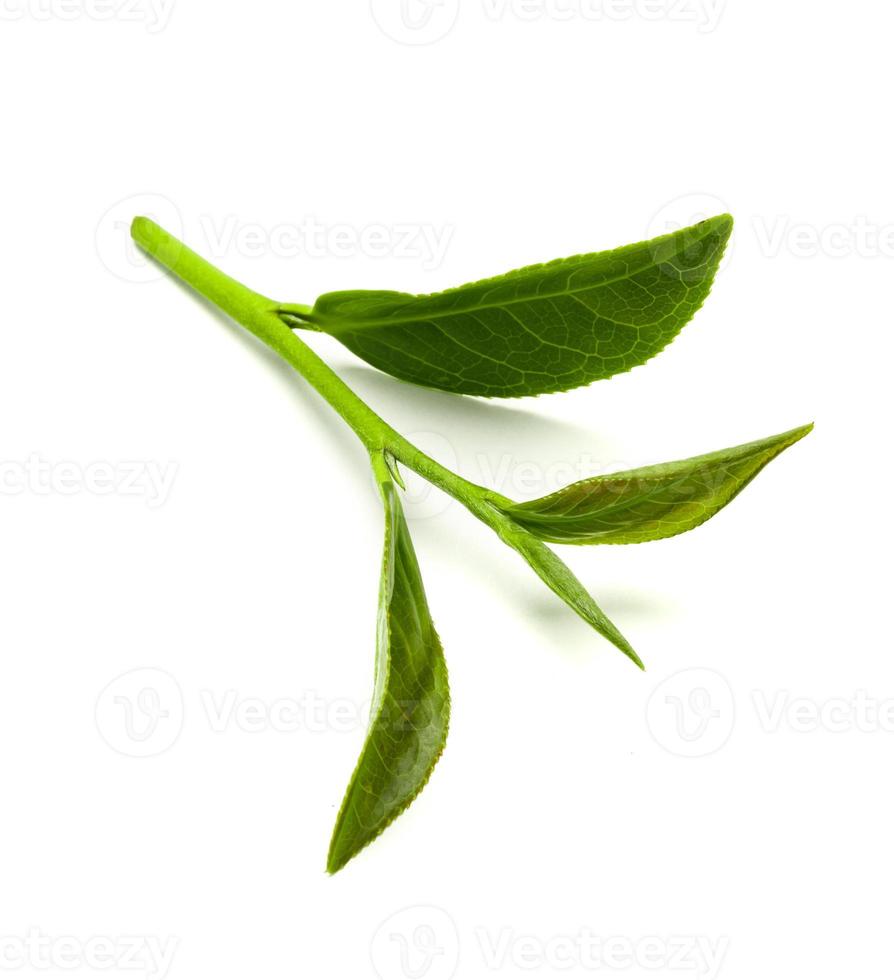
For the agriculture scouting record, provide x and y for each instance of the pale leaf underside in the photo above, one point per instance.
(652, 502)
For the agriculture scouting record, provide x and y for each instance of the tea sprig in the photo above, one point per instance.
(541, 329)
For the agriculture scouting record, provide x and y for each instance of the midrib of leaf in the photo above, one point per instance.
(711, 482)
(471, 307)
(649, 481)
(571, 515)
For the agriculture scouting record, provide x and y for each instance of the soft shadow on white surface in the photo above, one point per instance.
(306, 400)
(486, 425)
(633, 605)
(477, 426)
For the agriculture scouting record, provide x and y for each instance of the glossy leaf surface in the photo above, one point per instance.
(411, 700)
(539, 329)
(652, 502)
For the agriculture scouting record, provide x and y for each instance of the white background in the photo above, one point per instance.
(288, 142)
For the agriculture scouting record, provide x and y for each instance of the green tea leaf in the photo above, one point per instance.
(411, 700)
(652, 502)
(539, 329)
(559, 577)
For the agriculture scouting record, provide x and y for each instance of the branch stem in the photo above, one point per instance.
(265, 319)
(261, 317)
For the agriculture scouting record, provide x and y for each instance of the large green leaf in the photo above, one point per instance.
(649, 503)
(411, 700)
(539, 329)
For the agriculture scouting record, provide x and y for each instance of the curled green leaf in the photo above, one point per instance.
(559, 577)
(540, 329)
(411, 700)
(652, 502)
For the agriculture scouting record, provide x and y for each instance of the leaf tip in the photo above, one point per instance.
(787, 439)
(336, 859)
(722, 222)
(614, 636)
(717, 229)
(346, 843)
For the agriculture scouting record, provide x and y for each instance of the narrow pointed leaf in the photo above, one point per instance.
(539, 329)
(652, 502)
(411, 701)
(559, 577)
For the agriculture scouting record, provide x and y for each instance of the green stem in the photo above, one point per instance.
(260, 316)
(264, 318)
